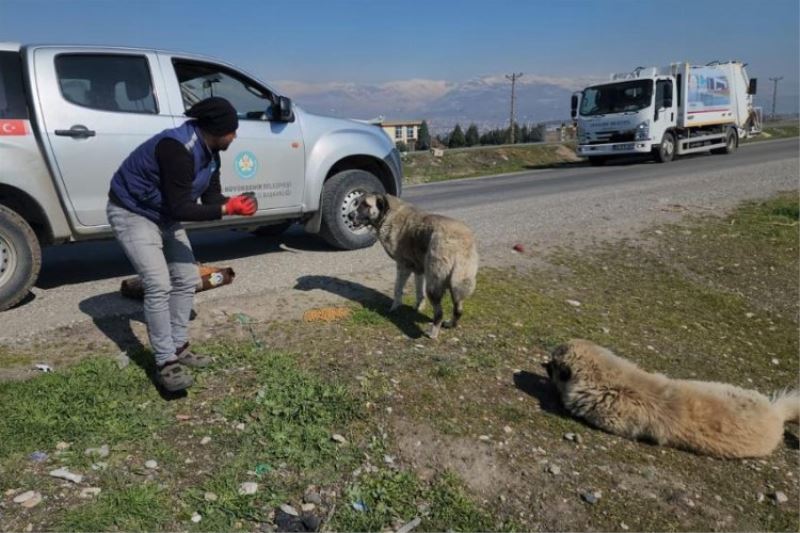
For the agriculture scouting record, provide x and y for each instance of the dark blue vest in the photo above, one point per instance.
(137, 183)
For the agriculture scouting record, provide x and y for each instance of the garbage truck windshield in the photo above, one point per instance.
(616, 97)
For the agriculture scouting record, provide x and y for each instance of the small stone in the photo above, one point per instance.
(574, 303)
(61, 446)
(123, 360)
(780, 498)
(605, 330)
(63, 473)
(760, 497)
(484, 438)
(38, 457)
(388, 459)
(26, 496)
(749, 315)
(32, 502)
(312, 522)
(307, 507)
(507, 429)
(210, 497)
(624, 526)
(240, 426)
(359, 506)
(339, 438)
(10, 492)
(312, 496)
(407, 528)
(288, 509)
(152, 465)
(205, 440)
(554, 469)
(591, 497)
(775, 361)
(196, 518)
(100, 452)
(183, 418)
(247, 488)
(90, 492)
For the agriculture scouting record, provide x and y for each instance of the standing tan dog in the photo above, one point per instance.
(709, 418)
(440, 252)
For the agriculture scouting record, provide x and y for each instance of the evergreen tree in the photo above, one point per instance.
(457, 139)
(472, 138)
(423, 137)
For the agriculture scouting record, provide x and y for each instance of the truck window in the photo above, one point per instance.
(617, 97)
(199, 81)
(107, 82)
(12, 91)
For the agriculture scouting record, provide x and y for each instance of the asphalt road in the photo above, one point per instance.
(571, 204)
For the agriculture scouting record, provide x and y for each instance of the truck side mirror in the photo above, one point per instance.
(753, 87)
(574, 106)
(282, 110)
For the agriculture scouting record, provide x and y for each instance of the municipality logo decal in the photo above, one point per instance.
(246, 165)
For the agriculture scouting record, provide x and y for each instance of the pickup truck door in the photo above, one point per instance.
(96, 107)
(267, 157)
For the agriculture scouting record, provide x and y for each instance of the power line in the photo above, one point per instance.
(513, 77)
(774, 92)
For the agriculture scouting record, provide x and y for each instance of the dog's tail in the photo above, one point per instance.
(787, 402)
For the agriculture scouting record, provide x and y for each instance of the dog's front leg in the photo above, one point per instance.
(419, 281)
(399, 284)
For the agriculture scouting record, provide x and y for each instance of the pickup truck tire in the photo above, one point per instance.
(20, 258)
(339, 194)
(666, 150)
(731, 143)
(273, 230)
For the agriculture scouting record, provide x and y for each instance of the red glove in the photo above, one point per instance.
(241, 205)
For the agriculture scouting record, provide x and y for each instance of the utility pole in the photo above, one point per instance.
(774, 93)
(513, 77)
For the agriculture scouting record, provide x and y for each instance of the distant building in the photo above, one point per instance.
(406, 131)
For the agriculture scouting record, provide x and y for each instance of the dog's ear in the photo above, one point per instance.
(564, 373)
(381, 202)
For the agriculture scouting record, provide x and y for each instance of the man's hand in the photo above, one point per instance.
(241, 205)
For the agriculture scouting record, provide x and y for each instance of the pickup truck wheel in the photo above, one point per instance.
(20, 258)
(272, 230)
(731, 144)
(666, 151)
(339, 195)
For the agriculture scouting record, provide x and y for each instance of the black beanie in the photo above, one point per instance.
(215, 115)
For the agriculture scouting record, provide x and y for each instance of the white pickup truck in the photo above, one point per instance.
(69, 115)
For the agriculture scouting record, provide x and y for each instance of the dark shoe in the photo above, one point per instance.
(174, 377)
(188, 358)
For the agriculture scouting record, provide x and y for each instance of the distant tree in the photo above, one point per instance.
(402, 146)
(536, 134)
(457, 139)
(472, 138)
(423, 137)
(524, 134)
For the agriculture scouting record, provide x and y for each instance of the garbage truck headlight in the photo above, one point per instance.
(643, 131)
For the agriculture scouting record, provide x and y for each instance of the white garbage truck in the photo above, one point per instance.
(666, 111)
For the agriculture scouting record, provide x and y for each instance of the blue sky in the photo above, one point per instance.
(374, 41)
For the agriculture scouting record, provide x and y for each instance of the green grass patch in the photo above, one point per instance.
(90, 404)
(390, 498)
(144, 507)
(423, 167)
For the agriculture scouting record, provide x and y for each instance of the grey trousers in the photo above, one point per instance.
(162, 257)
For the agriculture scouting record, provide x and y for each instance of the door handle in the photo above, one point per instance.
(78, 132)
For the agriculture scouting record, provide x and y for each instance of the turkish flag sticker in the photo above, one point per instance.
(13, 127)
